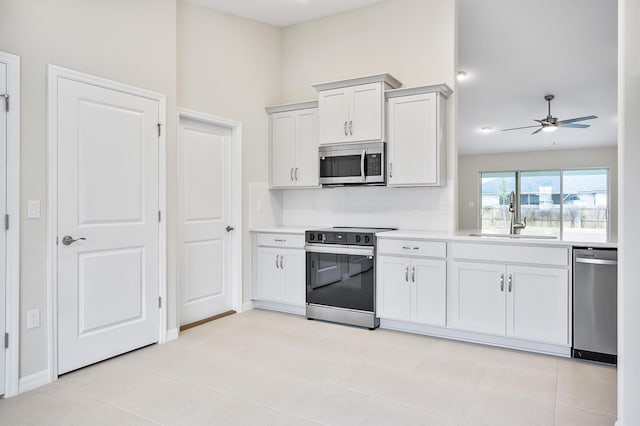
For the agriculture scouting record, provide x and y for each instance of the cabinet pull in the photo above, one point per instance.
(296, 173)
(277, 255)
(345, 129)
(291, 174)
(281, 260)
(275, 240)
(413, 274)
(410, 248)
(510, 281)
(501, 282)
(406, 274)
(351, 127)
(390, 170)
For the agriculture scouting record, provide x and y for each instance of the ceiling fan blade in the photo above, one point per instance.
(577, 126)
(537, 131)
(518, 128)
(573, 120)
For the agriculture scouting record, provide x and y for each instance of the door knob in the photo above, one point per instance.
(229, 228)
(67, 240)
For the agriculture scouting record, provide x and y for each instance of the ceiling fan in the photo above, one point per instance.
(550, 123)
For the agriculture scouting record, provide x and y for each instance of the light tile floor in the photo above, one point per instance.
(268, 368)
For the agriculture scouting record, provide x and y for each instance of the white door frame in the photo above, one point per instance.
(236, 197)
(53, 74)
(12, 278)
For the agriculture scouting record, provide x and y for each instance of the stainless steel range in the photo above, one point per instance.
(341, 275)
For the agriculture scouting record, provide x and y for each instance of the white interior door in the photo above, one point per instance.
(205, 275)
(3, 211)
(108, 195)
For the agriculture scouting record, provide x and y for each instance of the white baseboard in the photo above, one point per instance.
(172, 335)
(34, 381)
(247, 306)
(287, 308)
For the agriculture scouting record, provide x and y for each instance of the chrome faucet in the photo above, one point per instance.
(515, 227)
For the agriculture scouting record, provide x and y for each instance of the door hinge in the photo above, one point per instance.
(159, 127)
(6, 101)
(6, 340)
(6, 222)
(159, 216)
(159, 302)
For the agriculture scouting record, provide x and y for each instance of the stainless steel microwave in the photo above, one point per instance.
(352, 163)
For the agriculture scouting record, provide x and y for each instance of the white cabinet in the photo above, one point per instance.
(279, 270)
(416, 139)
(294, 145)
(525, 302)
(353, 110)
(411, 288)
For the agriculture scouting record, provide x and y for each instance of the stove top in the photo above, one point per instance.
(344, 235)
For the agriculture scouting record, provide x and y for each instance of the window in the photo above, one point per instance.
(571, 204)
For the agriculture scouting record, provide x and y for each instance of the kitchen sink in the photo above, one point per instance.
(532, 237)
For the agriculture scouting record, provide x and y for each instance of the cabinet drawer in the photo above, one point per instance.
(557, 256)
(413, 248)
(280, 240)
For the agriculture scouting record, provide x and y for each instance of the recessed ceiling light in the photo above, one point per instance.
(461, 75)
(486, 129)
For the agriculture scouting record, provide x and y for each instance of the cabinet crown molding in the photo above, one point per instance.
(443, 89)
(291, 107)
(386, 78)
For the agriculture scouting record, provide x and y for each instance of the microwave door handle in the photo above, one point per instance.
(362, 157)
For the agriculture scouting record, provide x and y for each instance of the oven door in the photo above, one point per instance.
(341, 276)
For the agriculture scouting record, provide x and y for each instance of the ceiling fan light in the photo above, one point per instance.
(549, 128)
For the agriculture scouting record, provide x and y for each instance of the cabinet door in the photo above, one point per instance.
(429, 301)
(365, 112)
(393, 288)
(476, 297)
(306, 140)
(333, 115)
(282, 148)
(293, 268)
(413, 151)
(538, 304)
(269, 274)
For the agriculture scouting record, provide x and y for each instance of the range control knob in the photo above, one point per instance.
(358, 238)
(312, 236)
(367, 239)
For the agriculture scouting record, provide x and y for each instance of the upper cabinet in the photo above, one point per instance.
(353, 110)
(416, 139)
(293, 138)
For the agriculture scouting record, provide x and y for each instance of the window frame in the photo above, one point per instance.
(517, 173)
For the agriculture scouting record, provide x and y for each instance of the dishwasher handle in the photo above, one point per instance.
(596, 261)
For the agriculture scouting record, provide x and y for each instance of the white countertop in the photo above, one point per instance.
(282, 229)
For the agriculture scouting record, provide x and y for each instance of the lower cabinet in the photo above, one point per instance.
(278, 271)
(412, 289)
(525, 302)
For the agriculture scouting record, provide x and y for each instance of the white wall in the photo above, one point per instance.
(629, 248)
(231, 67)
(413, 40)
(116, 39)
(470, 166)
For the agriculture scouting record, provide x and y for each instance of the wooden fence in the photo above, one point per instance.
(572, 217)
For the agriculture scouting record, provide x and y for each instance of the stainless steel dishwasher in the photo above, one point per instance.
(595, 313)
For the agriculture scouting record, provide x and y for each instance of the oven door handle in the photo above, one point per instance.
(340, 249)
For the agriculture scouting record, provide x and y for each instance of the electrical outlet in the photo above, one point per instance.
(33, 318)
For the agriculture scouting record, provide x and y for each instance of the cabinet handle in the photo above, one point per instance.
(413, 274)
(291, 174)
(510, 281)
(345, 129)
(277, 255)
(410, 248)
(296, 173)
(406, 274)
(501, 282)
(390, 170)
(281, 260)
(350, 127)
(275, 240)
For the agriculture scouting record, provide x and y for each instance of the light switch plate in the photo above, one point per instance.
(33, 318)
(33, 209)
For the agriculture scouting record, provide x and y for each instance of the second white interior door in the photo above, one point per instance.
(205, 213)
